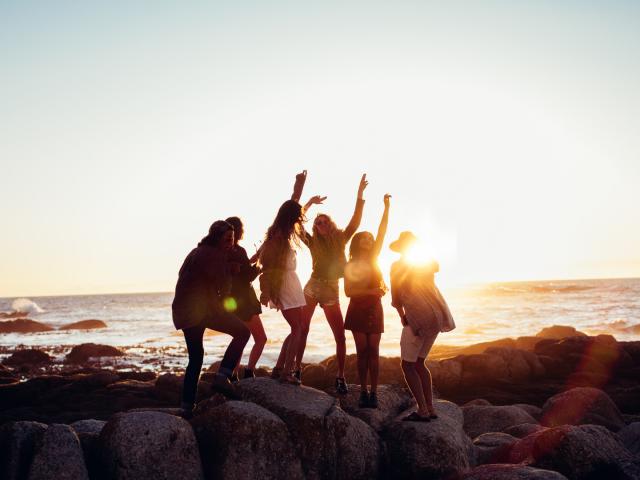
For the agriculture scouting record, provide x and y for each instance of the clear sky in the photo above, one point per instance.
(507, 132)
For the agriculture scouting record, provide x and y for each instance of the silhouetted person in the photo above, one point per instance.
(327, 244)
(423, 313)
(242, 299)
(203, 281)
(364, 285)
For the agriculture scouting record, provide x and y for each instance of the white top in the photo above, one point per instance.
(291, 293)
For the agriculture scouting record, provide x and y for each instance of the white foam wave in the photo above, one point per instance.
(24, 305)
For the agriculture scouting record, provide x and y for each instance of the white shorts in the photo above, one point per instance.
(413, 347)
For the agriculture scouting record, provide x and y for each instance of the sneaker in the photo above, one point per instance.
(341, 386)
(221, 384)
(290, 379)
(248, 373)
(186, 410)
(298, 374)
(373, 400)
(364, 399)
(234, 377)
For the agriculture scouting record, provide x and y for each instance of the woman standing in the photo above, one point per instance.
(203, 280)
(327, 244)
(424, 313)
(364, 285)
(242, 300)
(279, 284)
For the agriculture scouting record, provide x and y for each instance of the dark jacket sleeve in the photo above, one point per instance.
(248, 272)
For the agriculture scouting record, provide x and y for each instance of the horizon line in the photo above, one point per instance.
(461, 285)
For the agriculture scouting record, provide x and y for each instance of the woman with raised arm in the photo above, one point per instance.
(327, 244)
(242, 299)
(364, 285)
(424, 313)
(279, 284)
(203, 282)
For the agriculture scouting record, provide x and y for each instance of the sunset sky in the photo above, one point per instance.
(508, 133)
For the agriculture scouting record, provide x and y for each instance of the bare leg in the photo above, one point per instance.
(336, 322)
(307, 313)
(373, 350)
(363, 358)
(425, 380)
(293, 317)
(283, 351)
(259, 340)
(415, 385)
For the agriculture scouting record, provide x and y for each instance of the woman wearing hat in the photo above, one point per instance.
(364, 285)
(424, 313)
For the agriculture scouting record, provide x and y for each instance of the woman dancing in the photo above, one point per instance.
(424, 313)
(364, 285)
(327, 244)
(242, 300)
(279, 284)
(203, 281)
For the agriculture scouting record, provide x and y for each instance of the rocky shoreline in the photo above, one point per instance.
(557, 405)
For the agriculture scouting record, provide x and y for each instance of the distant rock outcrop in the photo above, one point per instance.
(23, 325)
(84, 325)
(28, 356)
(82, 353)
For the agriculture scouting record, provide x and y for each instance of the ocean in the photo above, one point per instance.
(141, 324)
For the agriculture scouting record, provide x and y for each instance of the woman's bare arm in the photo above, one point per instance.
(382, 228)
(354, 223)
(298, 186)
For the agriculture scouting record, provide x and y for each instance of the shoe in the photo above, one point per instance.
(221, 384)
(416, 417)
(364, 399)
(341, 386)
(276, 372)
(234, 377)
(373, 400)
(186, 410)
(248, 373)
(298, 374)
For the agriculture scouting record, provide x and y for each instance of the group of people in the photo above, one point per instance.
(214, 290)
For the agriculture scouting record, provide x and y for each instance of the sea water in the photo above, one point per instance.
(141, 323)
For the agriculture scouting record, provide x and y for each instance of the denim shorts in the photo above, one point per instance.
(325, 292)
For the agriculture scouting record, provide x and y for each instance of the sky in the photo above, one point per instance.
(507, 133)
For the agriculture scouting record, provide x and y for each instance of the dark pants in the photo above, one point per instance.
(226, 323)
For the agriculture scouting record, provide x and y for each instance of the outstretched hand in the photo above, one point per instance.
(387, 198)
(316, 200)
(301, 177)
(363, 185)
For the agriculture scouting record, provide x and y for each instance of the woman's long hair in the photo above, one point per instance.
(332, 241)
(285, 230)
(216, 232)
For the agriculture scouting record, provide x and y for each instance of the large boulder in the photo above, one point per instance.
(82, 353)
(524, 429)
(630, 437)
(485, 419)
(493, 447)
(435, 449)
(583, 452)
(27, 356)
(58, 455)
(580, 406)
(446, 374)
(17, 442)
(511, 472)
(330, 443)
(84, 325)
(392, 399)
(88, 432)
(518, 368)
(241, 440)
(149, 445)
(478, 369)
(532, 410)
(559, 331)
(23, 325)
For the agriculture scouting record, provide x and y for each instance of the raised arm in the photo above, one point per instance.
(298, 186)
(382, 228)
(354, 223)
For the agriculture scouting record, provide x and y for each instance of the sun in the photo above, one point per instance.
(420, 253)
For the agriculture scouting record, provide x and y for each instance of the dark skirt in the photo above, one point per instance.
(246, 303)
(365, 315)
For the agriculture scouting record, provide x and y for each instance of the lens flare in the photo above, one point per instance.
(230, 304)
(420, 253)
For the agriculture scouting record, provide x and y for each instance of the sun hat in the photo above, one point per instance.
(405, 240)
